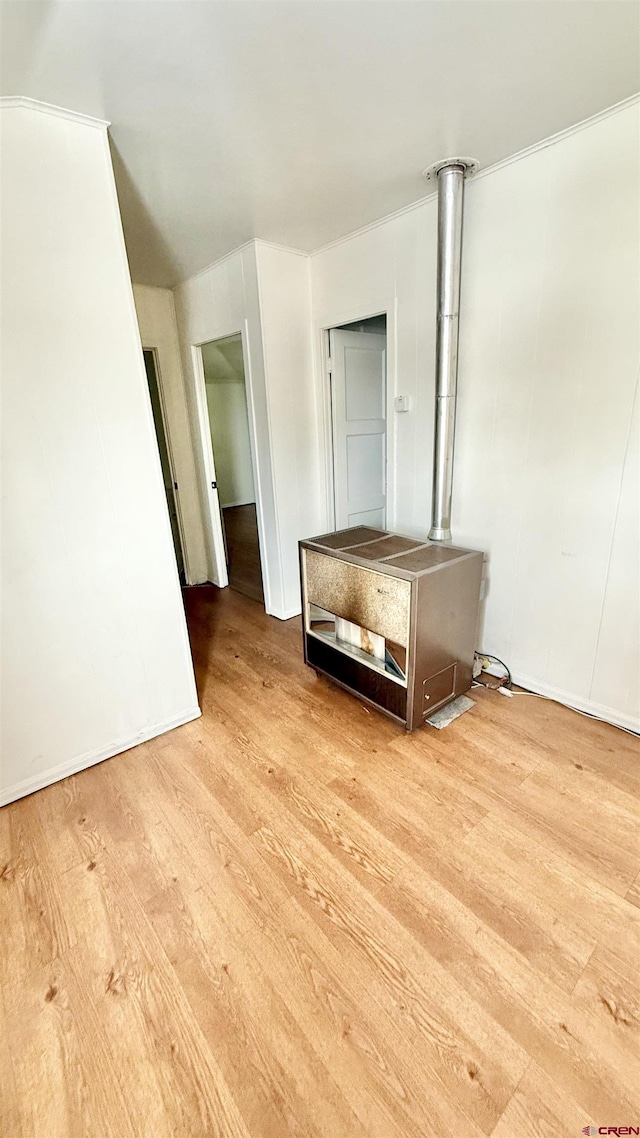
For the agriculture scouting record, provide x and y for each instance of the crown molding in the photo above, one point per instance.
(281, 248)
(214, 264)
(371, 225)
(250, 244)
(551, 140)
(23, 102)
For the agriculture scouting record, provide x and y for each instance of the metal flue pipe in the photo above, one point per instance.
(450, 176)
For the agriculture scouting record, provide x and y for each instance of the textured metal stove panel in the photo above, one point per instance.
(373, 600)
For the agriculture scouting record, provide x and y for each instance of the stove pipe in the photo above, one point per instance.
(450, 176)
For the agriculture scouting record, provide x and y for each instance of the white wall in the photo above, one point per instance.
(96, 656)
(549, 366)
(158, 329)
(263, 293)
(229, 421)
(388, 268)
(546, 477)
(285, 307)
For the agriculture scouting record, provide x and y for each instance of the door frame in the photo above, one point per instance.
(326, 410)
(217, 552)
(175, 485)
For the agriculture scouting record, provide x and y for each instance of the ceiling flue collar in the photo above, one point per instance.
(469, 165)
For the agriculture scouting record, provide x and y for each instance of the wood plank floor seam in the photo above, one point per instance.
(516, 1091)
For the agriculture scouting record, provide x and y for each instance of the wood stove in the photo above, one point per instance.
(391, 619)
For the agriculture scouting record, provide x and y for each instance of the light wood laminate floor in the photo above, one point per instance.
(288, 918)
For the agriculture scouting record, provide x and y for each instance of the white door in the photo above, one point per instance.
(358, 409)
(216, 552)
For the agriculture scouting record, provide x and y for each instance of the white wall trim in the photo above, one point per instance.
(377, 223)
(322, 385)
(22, 101)
(569, 699)
(560, 136)
(80, 762)
(551, 140)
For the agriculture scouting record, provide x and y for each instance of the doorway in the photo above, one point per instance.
(358, 385)
(170, 483)
(234, 479)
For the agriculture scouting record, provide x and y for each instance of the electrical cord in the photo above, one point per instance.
(508, 681)
(588, 714)
(508, 685)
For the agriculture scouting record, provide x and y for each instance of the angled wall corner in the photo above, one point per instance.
(96, 654)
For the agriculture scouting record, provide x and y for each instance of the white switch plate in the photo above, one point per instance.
(401, 403)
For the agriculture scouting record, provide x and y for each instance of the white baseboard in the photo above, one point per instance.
(609, 714)
(81, 762)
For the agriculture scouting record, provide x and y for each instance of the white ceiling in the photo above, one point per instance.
(300, 121)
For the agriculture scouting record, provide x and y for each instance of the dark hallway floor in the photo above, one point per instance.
(243, 550)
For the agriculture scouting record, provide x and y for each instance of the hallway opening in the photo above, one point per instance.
(233, 488)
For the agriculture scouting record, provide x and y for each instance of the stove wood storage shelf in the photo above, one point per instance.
(391, 619)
